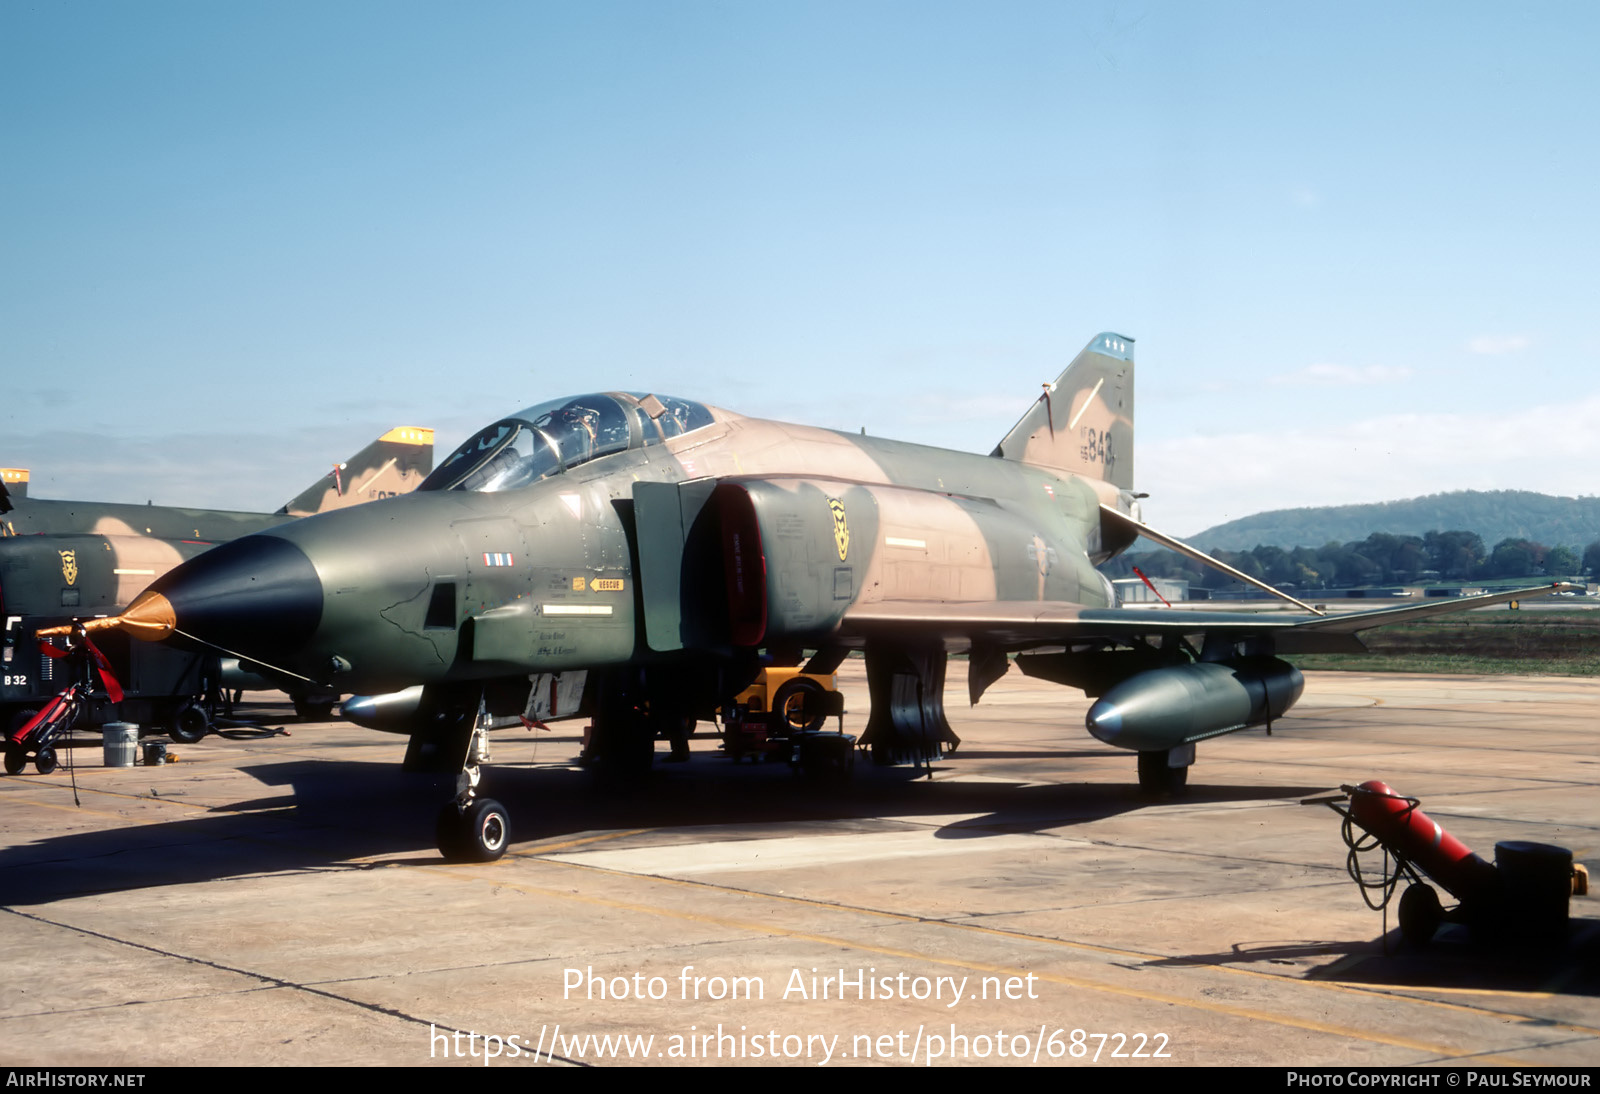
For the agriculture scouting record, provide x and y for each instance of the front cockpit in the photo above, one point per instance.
(549, 438)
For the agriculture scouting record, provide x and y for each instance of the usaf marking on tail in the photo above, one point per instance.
(675, 545)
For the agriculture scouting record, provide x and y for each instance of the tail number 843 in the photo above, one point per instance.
(1096, 447)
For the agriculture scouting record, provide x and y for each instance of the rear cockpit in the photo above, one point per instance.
(547, 439)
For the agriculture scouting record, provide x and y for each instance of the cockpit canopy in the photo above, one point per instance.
(547, 439)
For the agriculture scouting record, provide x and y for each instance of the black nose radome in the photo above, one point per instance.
(258, 595)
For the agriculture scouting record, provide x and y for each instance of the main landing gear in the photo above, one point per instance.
(1164, 773)
(906, 722)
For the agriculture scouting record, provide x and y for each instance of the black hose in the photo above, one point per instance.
(1386, 880)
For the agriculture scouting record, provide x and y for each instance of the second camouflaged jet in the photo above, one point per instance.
(61, 560)
(661, 548)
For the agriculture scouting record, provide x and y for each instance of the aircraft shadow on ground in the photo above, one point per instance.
(1456, 958)
(327, 813)
(1454, 961)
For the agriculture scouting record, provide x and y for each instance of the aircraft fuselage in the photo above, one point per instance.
(545, 577)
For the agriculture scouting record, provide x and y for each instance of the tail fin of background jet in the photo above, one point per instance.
(14, 481)
(1083, 423)
(393, 464)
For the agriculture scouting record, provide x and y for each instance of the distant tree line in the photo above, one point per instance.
(1495, 515)
(1380, 559)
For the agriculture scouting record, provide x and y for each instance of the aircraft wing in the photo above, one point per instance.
(1017, 624)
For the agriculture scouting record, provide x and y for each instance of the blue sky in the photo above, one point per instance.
(1355, 243)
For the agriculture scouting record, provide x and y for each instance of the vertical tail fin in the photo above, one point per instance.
(14, 481)
(393, 464)
(1083, 423)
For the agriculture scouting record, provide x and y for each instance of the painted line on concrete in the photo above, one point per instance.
(1399, 992)
(1246, 1013)
(796, 852)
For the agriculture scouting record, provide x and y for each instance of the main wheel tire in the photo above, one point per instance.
(16, 759)
(799, 705)
(623, 742)
(480, 833)
(20, 719)
(1420, 914)
(827, 760)
(308, 711)
(1160, 780)
(189, 725)
(44, 762)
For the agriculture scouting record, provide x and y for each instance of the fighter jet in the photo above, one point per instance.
(66, 559)
(659, 549)
(393, 464)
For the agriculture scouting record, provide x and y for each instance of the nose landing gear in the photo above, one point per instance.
(477, 832)
(470, 828)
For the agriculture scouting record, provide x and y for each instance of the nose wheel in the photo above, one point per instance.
(470, 828)
(480, 832)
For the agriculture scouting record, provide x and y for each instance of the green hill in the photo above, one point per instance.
(1493, 514)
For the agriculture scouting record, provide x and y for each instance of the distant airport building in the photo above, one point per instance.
(1130, 590)
(1245, 592)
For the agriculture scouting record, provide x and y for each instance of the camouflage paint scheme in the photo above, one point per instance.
(864, 522)
(117, 549)
(664, 566)
(67, 559)
(394, 464)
